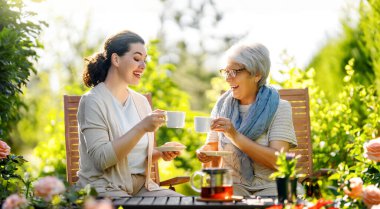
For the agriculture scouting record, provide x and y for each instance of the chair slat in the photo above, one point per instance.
(299, 100)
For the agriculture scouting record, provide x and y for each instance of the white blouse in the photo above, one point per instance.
(129, 118)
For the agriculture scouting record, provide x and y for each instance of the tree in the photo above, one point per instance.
(18, 45)
(190, 40)
(41, 129)
(359, 40)
(369, 24)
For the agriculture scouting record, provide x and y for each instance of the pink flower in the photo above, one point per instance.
(91, 203)
(48, 186)
(372, 150)
(375, 206)
(371, 196)
(356, 186)
(5, 150)
(14, 201)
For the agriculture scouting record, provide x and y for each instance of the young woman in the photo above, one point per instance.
(117, 124)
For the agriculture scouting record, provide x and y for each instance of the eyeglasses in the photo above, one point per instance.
(231, 73)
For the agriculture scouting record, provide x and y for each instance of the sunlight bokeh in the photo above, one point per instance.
(298, 27)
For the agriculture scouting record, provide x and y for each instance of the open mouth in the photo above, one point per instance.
(234, 87)
(138, 74)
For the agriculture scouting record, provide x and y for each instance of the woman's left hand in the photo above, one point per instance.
(170, 155)
(224, 125)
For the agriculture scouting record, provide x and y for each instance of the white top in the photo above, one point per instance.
(128, 118)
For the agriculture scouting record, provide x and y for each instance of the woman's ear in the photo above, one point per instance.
(257, 78)
(115, 59)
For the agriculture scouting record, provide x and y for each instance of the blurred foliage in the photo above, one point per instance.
(218, 86)
(369, 25)
(340, 128)
(360, 39)
(190, 39)
(42, 125)
(12, 179)
(18, 45)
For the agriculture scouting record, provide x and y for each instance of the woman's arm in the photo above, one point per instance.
(128, 141)
(280, 133)
(156, 155)
(259, 153)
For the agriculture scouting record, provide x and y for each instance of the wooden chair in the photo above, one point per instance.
(72, 145)
(299, 99)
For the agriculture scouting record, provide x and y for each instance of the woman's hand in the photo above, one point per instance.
(170, 155)
(224, 125)
(153, 121)
(203, 158)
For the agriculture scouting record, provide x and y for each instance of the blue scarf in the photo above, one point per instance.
(260, 115)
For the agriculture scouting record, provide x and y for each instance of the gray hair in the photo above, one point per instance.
(255, 58)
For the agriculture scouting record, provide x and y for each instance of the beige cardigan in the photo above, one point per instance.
(99, 165)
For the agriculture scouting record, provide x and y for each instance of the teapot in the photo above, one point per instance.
(215, 183)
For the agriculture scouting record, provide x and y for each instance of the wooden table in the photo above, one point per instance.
(190, 202)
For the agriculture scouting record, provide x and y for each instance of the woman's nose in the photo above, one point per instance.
(229, 78)
(142, 64)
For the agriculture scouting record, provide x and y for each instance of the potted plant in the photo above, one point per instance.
(286, 176)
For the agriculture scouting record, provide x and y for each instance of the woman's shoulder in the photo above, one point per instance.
(95, 95)
(137, 95)
(284, 105)
(284, 109)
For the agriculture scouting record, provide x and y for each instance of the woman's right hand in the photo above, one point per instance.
(203, 158)
(153, 121)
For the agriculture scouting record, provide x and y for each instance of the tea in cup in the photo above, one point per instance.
(202, 124)
(175, 119)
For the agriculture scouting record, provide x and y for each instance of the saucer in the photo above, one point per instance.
(216, 153)
(170, 148)
(234, 198)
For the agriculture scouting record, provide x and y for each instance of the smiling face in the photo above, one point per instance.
(130, 66)
(244, 86)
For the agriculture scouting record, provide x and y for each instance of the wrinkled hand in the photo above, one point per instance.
(203, 158)
(153, 121)
(170, 155)
(224, 125)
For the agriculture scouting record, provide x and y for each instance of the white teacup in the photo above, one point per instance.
(202, 124)
(175, 119)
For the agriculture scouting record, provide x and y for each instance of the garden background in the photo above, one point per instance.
(343, 78)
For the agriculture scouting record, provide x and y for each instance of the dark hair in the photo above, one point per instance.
(97, 66)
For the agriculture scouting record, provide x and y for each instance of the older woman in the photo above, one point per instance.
(251, 121)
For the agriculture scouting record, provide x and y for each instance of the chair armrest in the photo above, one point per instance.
(323, 172)
(175, 181)
(311, 182)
